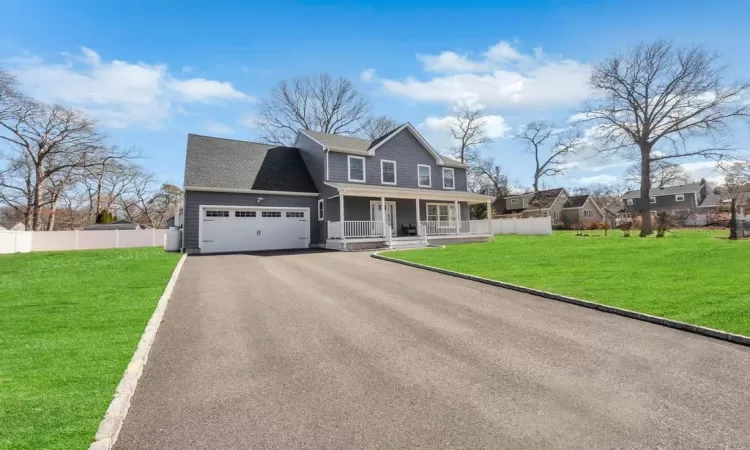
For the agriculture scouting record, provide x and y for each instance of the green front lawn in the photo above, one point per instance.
(69, 324)
(692, 276)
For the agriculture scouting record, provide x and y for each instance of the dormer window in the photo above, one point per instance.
(449, 181)
(356, 168)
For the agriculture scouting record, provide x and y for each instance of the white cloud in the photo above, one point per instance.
(367, 75)
(118, 93)
(217, 127)
(206, 91)
(504, 77)
(187, 69)
(598, 179)
(437, 130)
(704, 169)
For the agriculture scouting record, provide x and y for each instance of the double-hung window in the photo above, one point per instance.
(356, 168)
(387, 171)
(449, 181)
(424, 175)
(438, 212)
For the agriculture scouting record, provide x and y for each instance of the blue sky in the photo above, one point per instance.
(154, 71)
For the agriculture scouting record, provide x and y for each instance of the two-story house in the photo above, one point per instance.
(330, 191)
(554, 203)
(685, 200)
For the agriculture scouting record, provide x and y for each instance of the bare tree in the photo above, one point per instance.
(469, 129)
(602, 194)
(147, 206)
(663, 173)
(656, 94)
(374, 127)
(17, 187)
(488, 177)
(550, 146)
(318, 103)
(737, 191)
(51, 139)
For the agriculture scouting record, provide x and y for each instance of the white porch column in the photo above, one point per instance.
(489, 217)
(458, 216)
(382, 214)
(341, 217)
(418, 221)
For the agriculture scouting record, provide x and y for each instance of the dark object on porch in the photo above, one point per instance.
(409, 230)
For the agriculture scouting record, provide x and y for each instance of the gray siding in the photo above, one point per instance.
(573, 214)
(314, 157)
(664, 203)
(193, 200)
(406, 150)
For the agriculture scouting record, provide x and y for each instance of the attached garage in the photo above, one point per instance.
(242, 229)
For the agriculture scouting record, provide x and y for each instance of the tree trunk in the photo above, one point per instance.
(645, 192)
(52, 212)
(37, 207)
(733, 234)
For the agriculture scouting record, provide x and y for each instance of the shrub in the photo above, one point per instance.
(106, 217)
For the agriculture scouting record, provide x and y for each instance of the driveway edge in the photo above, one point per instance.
(110, 426)
(709, 332)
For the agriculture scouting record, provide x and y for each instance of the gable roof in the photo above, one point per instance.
(577, 201)
(217, 163)
(666, 190)
(367, 147)
(119, 225)
(544, 199)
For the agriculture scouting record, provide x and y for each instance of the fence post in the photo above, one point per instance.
(117, 238)
(76, 239)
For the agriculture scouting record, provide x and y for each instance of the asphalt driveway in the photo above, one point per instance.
(338, 350)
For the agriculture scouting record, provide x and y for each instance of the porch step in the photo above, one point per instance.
(402, 243)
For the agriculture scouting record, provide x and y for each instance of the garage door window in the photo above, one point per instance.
(244, 214)
(271, 214)
(211, 213)
(295, 214)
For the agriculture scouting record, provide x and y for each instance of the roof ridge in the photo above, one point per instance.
(238, 140)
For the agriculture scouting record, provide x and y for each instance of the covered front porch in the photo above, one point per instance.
(399, 218)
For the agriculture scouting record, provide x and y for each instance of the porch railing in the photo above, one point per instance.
(444, 228)
(356, 229)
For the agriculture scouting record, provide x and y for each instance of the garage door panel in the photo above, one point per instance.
(254, 229)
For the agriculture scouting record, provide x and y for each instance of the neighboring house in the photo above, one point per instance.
(119, 225)
(175, 220)
(327, 191)
(12, 227)
(553, 203)
(694, 201)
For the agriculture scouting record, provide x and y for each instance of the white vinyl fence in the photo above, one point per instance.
(531, 225)
(39, 241)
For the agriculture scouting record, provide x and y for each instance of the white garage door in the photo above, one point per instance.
(253, 229)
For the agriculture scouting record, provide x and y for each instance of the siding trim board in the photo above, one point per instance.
(250, 191)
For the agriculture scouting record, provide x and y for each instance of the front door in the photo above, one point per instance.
(376, 213)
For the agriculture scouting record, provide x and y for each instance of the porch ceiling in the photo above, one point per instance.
(369, 190)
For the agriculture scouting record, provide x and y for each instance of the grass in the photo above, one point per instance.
(691, 275)
(69, 324)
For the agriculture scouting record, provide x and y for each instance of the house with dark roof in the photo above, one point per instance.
(331, 191)
(679, 200)
(554, 203)
(122, 225)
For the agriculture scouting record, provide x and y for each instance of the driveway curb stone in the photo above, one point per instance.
(709, 332)
(110, 426)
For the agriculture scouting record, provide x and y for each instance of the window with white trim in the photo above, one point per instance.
(244, 214)
(356, 168)
(514, 201)
(630, 202)
(679, 198)
(424, 175)
(214, 213)
(441, 212)
(449, 181)
(295, 215)
(653, 200)
(271, 214)
(387, 171)
(587, 213)
(321, 209)
(556, 215)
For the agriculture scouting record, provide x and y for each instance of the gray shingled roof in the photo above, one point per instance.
(121, 225)
(577, 201)
(544, 199)
(218, 163)
(667, 190)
